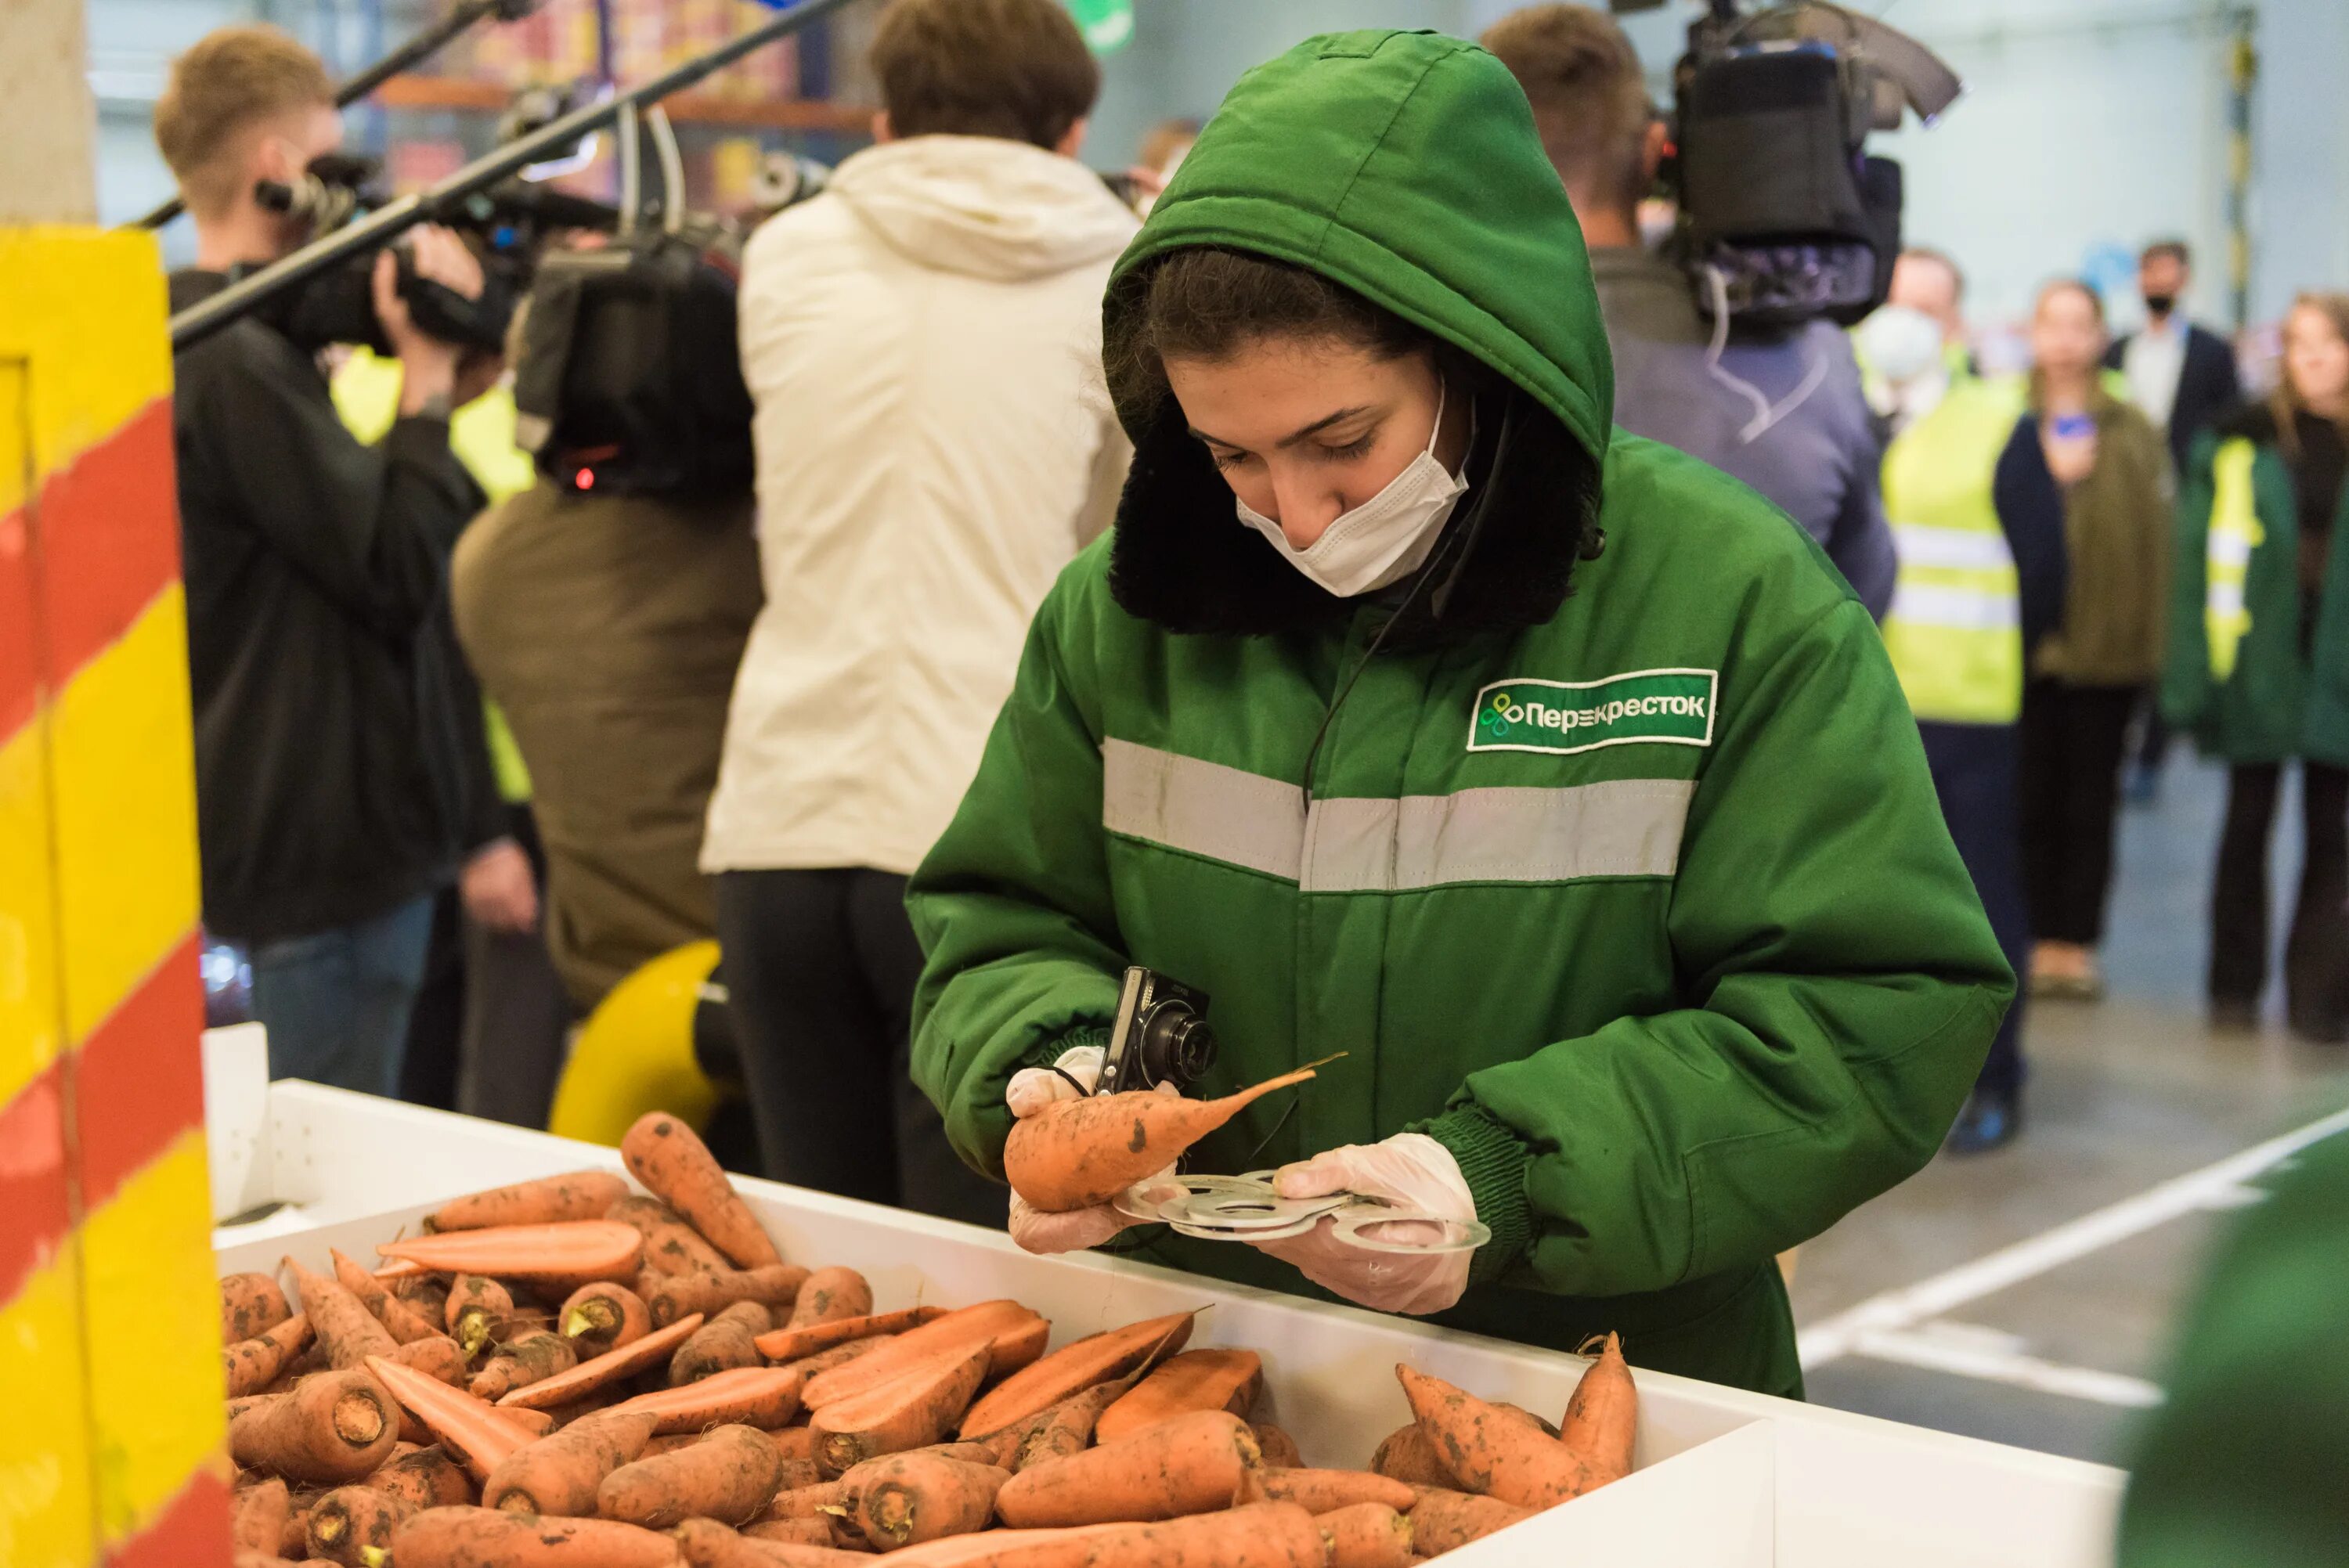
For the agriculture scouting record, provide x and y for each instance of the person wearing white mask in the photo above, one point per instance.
(1414, 711)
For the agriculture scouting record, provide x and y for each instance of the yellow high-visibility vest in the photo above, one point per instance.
(1955, 629)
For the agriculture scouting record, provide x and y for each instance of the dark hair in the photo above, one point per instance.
(1018, 69)
(1207, 302)
(2175, 250)
(1590, 99)
(2080, 286)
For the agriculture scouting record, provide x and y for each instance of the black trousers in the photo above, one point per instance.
(2314, 953)
(2073, 741)
(820, 973)
(1973, 770)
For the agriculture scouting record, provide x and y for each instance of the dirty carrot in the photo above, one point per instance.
(425, 1478)
(602, 1316)
(258, 1515)
(604, 1370)
(1191, 1464)
(1602, 1418)
(532, 1358)
(1076, 1153)
(569, 1253)
(809, 1366)
(257, 1362)
(559, 1474)
(1491, 1451)
(1013, 1334)
(576, 1195)
(709, 1545)
(672, 1297)
(334, 1427)
(407, 1325)
(1194, 1380)
(340, 1320)
(1365, 1536)
(791, 1531)
(903, 1498)
(802, 1340)
(1408, 1454)
(1280, 1449)
(1077, 1366)
(251, 1305)
(677, 1167)
(831, 1292)
(351, 1521)
(727, 1341)
(477, 1305)
(1065, 1429)
(1325, 1490)
(472, 1429)
(487, 1538)
(909, 1411)
(1443, 1519)
(436, 1357)
(762, 1396)
(727, 1476)
(671, 1246)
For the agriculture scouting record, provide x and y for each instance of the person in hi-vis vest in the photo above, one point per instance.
(1981, 539)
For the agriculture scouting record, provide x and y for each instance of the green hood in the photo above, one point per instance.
(1405, 166)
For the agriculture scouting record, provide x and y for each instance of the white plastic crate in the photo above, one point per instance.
(1725, 1478)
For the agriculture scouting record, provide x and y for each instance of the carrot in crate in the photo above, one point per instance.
(1194, 1380)
(559, 1474)
(671, 1246)
(563, 1254)
(709, 1545)
(677, 1167)
(727, 1341)
(1075, 1367)
(1326, 1491)
(257, 1362)
(344, 1327)
(576, 1195)
(1365, 1536)
(910, 1411)
(1280, 1449)
(831, 1293)
(1497, 1452)
(334, 1427)
(593, 1376)
(1408, 1454)
(258, 1513)
(1602, 1418)
(476, 1306)
(905, 1499)
(423, 1478)
(1196, 1463)
(602, 1316)
(406, 1324)
(1077, 1153)
(728, 1476)
(1443, 1519)
(488, 1538)
(1014, 1335)
(761, 1396)
(797, 1340)
(532, 1358)
(477, 1433)
(251, 1305)
(350, 1522)
(672, 1297)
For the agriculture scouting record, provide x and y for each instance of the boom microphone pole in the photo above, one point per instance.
(202, 320)
(414, 52)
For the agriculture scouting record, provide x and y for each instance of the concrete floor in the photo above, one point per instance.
(2060, 1345)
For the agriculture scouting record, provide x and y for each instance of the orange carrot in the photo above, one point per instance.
(1279, 1449)
(1408, 1454)
(425, 1478)
(603, 1371)
(487, 1538)
(559, 1474)
(251, 1305)
(1326, 1491)
(831, 1292)
(473, 1430)
(1191, 1464)
(761, 1396)
(1492, 1451)
(672, 1297)
(910, 1411)
(808, 1367)
(795, 1443)
(258, 1515)
(1194, 1380)
(727, 1476)
(1443, 1519)
(724, 1342)
(709, 1545)
(1365, 1536)
(902, 1499)
(808, 1502)
(1076, 1153)
(1264, 1535)
(994, 1323)
(671, 1246)
(334, 1427)
(1096, 1358)
(566, 1253)
(1063, 1429)
(677, 1167)
(803, 1339)
(406, 1324)
(252, 1366)
(477, 1305)
(351, 1521)
(533, 1424)
(341, 1322)
(1602, 1419)
(435, 1357)
(532, 1358)
(602, 1316)
(791, 1531)
(578, 1195)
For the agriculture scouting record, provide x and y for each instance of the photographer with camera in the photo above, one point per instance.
(339, 776)
(1779, 408)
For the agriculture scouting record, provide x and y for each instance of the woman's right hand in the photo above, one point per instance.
(1028, 1092)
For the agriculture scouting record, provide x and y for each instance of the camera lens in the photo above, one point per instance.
(1178, 1045)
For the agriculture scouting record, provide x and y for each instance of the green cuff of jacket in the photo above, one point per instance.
(1492, 1162)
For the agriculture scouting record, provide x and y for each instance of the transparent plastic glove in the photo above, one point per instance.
(1028, 1092)
(1411, 1170)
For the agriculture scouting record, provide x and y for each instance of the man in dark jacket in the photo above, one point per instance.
(1782, 410)
(2180, 376)
(334, 762)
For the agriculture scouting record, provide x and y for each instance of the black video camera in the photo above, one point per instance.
(1785, 216)
(1161, 1035)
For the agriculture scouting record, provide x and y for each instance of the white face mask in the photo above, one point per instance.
(1901, 342)
(1385, 538)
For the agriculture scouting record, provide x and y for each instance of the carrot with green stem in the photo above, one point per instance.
(1365, 1536)
(910, 1411)
(565, 1255)
(1194, 1380)
(574, 1195)
(1496, 1452)
(671, 1246)
(476, 1432)
(724, 1342)
(709, 1292)
(343, 1324)
(797, 1340)
(677, 1167)
(1192, 1464)
(334, 1427)
(1079, 1153)
(251, 1305)
(257, 1362)
(761, 1396)
(906, 1499)
(477, 1305)
(728, 1476)
(489, 1538)
(602, 1316)
(601, 1372)
(1077, 1366)
(559, 1474)
(352, 1525)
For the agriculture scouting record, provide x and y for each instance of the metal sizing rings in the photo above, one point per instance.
(1247, 1209)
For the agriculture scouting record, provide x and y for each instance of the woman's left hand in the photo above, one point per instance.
(1412, 1171)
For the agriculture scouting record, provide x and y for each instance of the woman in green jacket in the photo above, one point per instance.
(1411, 712)
(2258, 665)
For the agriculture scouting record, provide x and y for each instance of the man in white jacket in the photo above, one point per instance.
(923, 341)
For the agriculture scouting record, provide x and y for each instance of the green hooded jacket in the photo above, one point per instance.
(2286, 692)
(1638, 900)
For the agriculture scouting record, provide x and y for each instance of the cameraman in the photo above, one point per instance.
(1782, 410)
(336, 771)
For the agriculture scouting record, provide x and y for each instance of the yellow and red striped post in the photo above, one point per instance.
(111, 1448)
